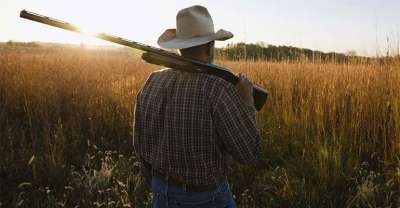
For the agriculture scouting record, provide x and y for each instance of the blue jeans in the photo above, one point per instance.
(168, 196)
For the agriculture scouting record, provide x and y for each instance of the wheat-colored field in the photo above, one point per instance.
(331, 132)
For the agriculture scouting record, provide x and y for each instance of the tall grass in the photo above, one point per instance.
(331, 132)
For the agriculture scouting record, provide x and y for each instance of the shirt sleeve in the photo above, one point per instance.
(236, 125)
(137, 123)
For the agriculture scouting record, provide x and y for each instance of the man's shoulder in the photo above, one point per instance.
(161, 72)
(206, 77)
(158, 74)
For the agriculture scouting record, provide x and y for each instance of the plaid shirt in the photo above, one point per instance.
(189, 124)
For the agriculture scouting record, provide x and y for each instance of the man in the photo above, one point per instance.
(188, 125)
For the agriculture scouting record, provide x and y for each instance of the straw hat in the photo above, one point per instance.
(194, 26)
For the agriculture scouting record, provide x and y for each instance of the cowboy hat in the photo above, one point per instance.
(194, 26)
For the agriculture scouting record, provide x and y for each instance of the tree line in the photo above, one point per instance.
(261, 51)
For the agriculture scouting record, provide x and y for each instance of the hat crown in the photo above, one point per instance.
(194, 21)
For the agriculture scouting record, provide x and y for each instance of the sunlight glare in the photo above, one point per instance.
(88, 31)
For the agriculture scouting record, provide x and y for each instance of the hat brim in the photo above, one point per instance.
(169, 40)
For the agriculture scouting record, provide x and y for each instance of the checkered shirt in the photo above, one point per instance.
(190, 124)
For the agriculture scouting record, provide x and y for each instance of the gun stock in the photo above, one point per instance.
(158, 56)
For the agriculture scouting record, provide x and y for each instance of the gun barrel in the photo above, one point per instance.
(49, 21)
(118, 40)
(67, 26)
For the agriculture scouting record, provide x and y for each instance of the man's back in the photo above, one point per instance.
(186, 124)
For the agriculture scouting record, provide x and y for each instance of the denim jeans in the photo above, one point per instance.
(168, 196)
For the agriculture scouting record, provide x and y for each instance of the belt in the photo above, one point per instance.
(187, 187)
(175, 182)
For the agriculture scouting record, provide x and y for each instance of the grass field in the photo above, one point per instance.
(331, 132)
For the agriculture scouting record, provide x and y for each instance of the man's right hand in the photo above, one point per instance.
(245, 89)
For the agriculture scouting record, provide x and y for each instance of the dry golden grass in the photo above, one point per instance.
(331, 132)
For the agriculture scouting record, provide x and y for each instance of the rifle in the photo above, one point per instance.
(158, 56)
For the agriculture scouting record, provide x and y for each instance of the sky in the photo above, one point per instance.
(365, 26)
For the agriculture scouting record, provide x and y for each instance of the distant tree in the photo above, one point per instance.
(351, 53)
(263, 51)
(262, 44)
(25, 44)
